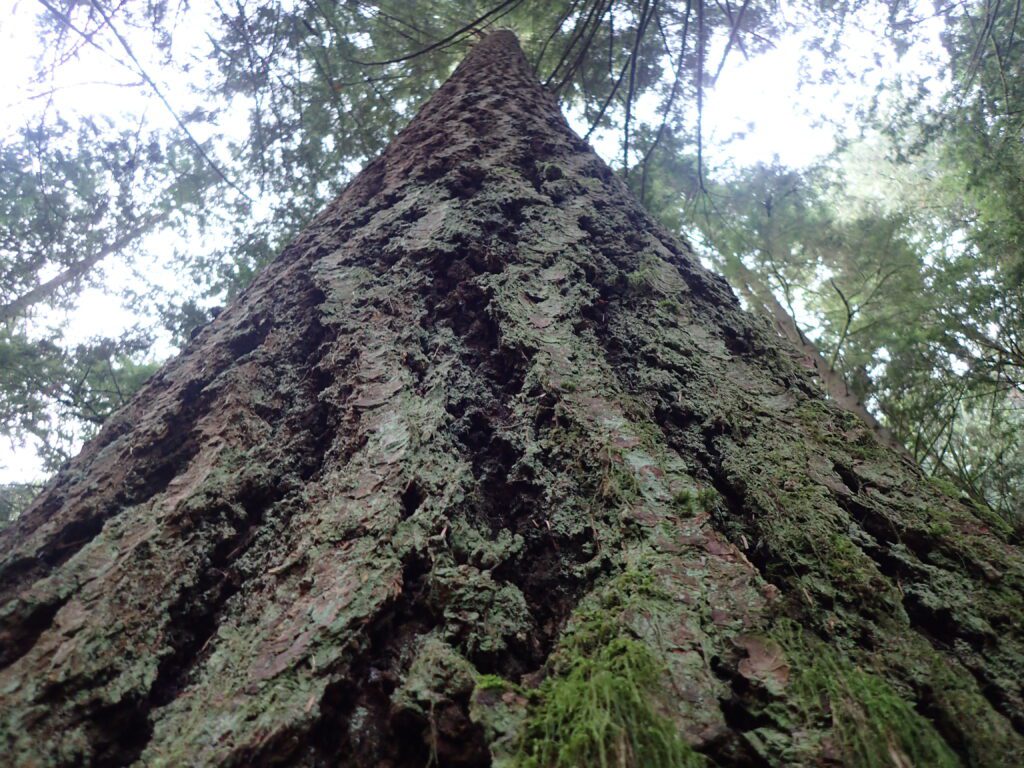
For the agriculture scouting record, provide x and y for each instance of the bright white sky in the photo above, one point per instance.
(760, 99)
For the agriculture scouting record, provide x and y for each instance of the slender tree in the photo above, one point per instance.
(486, 468)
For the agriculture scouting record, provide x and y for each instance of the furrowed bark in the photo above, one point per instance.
(484, 461)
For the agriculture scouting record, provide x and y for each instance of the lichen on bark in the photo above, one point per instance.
(484, 442)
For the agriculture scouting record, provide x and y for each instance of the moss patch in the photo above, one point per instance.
(692, 502)
(601, 704)
(872, 726)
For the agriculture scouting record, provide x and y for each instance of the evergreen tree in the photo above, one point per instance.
(486, 468)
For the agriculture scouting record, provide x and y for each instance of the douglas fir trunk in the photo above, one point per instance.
(485, 468)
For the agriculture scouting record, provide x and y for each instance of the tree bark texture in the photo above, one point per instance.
(485, 468)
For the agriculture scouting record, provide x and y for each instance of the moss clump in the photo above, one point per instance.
(499, 707)
(600, 705)
(437, 673)
(617, 484)
(872, 725)
(494, 683)
(690, 502)
(638, 282)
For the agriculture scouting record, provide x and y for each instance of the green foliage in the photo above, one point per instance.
(278, 104)
(73, 195)
(693, 502)
(76, 198)
(14, 498)
(61, 396)
(916, 319)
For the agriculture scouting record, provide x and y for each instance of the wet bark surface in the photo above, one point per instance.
(481, 436)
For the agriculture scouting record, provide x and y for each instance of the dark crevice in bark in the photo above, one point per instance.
(359, 725)
(118, 734)
(739, 516)
(925, 546)
(195, 614)
(145, 480)
(938, 625)
(732, 748)
(848, 476)
(249, 337)
(153, 465)
(951, 731)
(25, 623)
(743, 712)
(121, 733)
(510, 500)
(736, 521)
(941, 628)
(22, 627)
(411, 499)
(319, 425)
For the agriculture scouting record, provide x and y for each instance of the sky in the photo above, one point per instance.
(757, 112)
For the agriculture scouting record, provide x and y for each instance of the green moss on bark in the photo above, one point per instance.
(872, 726)
(601, 704)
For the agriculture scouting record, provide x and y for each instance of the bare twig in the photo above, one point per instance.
(733, 32)
(699, 76)
(554, 34)
(850, 312)
(667, 109)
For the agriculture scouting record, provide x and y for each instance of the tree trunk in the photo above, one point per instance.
(761, 296)
(486, 468)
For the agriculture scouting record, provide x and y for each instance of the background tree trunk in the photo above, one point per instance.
(486, 467)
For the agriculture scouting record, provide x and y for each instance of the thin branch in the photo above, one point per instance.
(608, 100)
(597, 14)
(645, 18)
(554, 34)
(378, 9)
(611, 35)
(113, 378)
(75, 271)
(667, 109)
(664, 38)
(733, 32)
(574, 36)
(846, 325)
(700, 95)
(453, 37)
